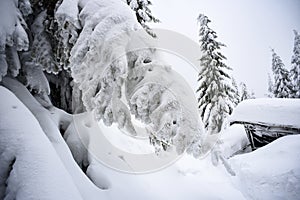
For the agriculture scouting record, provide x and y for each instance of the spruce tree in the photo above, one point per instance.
(143, 14)
(295, 70)
(68, 54)
(216, 93)
(244, 92)
(282, 85)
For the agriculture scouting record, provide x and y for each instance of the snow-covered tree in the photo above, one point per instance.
(244, 92)
(84, 52)
(108, 55)
(13, 36)
(216, 93)
(252, 95)
(282, 85)
(143, 13)
(295, 70)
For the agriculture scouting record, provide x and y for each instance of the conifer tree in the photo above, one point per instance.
(282, 85)
(295, 70)
(143, 14)
(216, 92)
(244, 92)
(78, 55)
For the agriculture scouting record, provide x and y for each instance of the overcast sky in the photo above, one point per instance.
(249, 28)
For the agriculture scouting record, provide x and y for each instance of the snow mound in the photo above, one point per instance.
(234, 140)
(273, 111)
(29, 165)
(271, 172)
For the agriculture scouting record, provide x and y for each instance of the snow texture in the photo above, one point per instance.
(114, 65)
(95, 60)
(66, 17)
(30, 167)
(274, 111)
(52, 166)
(41, 48)
(233, 140)
(51, 125)
(271, 172)
(185, 176)
(169, 112)
(143, 14)
(12, 34)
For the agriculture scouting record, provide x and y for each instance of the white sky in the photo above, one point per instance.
(248, 27)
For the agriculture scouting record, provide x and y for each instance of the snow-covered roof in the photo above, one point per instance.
(273, 111)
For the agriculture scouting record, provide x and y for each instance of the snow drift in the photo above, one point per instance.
(29, 165)
(271, 172)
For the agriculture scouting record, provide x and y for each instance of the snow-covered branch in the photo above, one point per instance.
(12, 34)
(119, 73)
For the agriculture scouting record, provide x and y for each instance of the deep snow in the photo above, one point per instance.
(38, 172)
(271, 172)
(29, 165)
(273, 111)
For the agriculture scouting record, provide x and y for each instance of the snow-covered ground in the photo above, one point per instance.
(31, 167)
(35, 170)
(271, 172)
(46, 153)
(184, 178)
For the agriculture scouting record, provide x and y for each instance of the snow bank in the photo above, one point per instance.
(233, 140)
(29, 165)
(47, 122)
(271, 172)
(271, 111)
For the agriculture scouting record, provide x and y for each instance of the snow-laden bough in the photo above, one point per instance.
(120, 75)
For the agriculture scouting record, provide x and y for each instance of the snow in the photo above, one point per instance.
(66, 17)
(42, 52)
(216, 93)
(233, 140)
(118, 70)
(12, 33)
(177, 106)
(46, 153)
(187, 177)
(271, 172)
(273, 111)
(51, 128)
(13, 61)
(295, 68)
(282, 87)
(30, 167)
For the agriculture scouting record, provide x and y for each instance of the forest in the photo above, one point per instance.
(93, 107)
